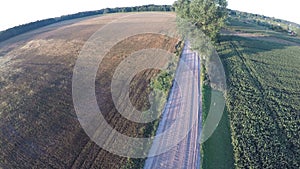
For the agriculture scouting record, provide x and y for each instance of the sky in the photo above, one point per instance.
(17, 12)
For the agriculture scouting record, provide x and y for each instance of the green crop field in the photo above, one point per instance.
(263, 99)
(261, 126)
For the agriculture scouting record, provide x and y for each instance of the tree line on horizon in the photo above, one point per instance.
(17, 30)
(209, 18)
(278, 25)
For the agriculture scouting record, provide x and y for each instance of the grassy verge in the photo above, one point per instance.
(217, 151)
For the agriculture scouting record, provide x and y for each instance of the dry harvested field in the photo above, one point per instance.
(38, 124)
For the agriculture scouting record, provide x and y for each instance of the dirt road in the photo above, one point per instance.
(184, 100)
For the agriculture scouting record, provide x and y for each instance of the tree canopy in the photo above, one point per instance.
(207, 15)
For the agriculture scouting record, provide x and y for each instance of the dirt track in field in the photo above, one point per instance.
(260, 37)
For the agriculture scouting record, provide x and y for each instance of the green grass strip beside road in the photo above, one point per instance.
(217, 151)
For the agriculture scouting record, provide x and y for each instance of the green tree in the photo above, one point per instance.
(207, 15)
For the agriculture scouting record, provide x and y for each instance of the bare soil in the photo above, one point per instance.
(261, 37)
(38, 123)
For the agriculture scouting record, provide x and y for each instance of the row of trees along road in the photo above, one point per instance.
(207, 15)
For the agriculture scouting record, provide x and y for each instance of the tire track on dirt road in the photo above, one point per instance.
(185, 154)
